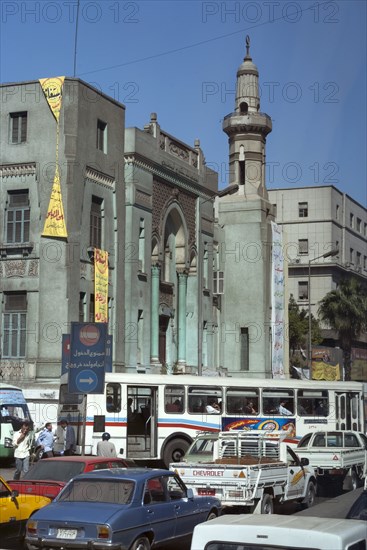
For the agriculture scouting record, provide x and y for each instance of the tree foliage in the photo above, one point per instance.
(298, 327)
(345, 311)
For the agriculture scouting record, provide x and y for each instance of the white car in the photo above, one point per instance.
(240, 532)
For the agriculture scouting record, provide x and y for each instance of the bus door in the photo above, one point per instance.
(142, 419)
(347, 413)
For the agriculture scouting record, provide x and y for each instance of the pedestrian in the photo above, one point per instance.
(69, 437)
(46, 441)
(106, 447)
(22, 442)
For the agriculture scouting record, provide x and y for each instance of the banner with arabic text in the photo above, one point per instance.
(325, 371)
(55, 222)
(52, 88)
(100, 286)
(277, 302)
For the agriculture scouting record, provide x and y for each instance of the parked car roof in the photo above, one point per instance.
(359, 507)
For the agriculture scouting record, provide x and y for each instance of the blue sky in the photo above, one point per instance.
(179, 59)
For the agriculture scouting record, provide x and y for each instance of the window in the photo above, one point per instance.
(242, 401)
(351, 255)
(303, 209)
(82, 306)
(96, 222)
(337, 209)
(277, 401)
(142, 245)
(365, 229)
(311, 402)
(364, 262)
(359, 225)
(200, 397)
(303, 290)
(102, 136)
(351, 220)
(17, 217)
(358, 259)
(244, 349)
(113, 397)
(14, 325)
(18, 127)
(174, 399)
(218, 282)
(91, 308)
(303, 246)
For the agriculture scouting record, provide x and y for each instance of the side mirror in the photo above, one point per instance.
(190, 494)
(304, 461)
(14, 494)
(121, 451)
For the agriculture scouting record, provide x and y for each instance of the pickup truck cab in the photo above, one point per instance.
(334, 455)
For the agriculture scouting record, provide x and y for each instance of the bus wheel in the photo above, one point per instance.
(267, 504)
(174, 451)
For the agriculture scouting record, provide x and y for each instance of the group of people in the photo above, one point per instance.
(23, 441)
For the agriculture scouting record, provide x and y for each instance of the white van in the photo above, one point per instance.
(276, 532)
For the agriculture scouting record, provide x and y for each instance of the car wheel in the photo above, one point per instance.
(141, 543)
(309, 499)
(211, 515)
(174, 451)
(267, 504)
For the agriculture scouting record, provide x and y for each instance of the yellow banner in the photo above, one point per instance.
(55, 222)
(324, 371)
(100, 286)
(52, 88)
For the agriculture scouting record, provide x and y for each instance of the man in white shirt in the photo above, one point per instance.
(283, 410)
(105, 447)
(46, 440)
(212, 407)
(22, 441)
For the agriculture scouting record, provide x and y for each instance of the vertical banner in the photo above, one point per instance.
(277, 302)
(55, 221)
(100, 286)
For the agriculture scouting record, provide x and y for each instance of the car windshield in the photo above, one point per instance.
(108, 491)
(55, 470)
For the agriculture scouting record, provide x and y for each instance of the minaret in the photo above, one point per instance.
(247, 129)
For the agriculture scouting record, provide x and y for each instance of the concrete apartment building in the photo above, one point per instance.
(317, 220)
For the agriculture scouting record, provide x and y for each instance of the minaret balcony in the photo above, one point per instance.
(235, 123)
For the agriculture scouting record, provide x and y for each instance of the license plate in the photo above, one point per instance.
(66, 533)
(206, 492)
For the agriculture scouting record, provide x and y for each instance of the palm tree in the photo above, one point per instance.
(345, 311)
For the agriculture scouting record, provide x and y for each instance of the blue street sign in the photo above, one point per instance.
(87, 357)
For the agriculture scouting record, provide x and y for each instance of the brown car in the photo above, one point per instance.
(48, 476)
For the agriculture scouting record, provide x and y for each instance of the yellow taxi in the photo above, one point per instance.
(15, 509)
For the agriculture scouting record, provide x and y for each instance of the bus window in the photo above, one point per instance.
(199, 397)
(308, 402)
(278, 401)
(113, 397)
(174, 399)
(242, 401)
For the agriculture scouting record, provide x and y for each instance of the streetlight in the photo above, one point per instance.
(229, 190)
(333, 252)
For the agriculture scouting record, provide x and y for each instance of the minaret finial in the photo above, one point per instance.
(248, 47)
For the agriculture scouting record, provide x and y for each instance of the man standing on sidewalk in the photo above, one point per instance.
(22, 442)
(46, 440)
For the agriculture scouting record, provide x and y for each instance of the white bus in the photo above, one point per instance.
(157, 416)
(13, 411)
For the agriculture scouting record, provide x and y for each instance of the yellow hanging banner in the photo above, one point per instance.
(55, 222)
(325, 371)
(100, 286)
(52, 88)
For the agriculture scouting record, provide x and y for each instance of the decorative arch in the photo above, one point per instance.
(174, 242)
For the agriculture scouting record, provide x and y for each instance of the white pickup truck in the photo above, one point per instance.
(246, 469)
(334, 455)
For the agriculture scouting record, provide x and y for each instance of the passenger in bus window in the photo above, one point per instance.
(212, 407)
(320, 409)
(282, 409)
(249, 408)
(130, 408)
(4, 411)
(109, 404)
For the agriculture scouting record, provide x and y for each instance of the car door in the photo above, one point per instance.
(296, 476)
(10, 513)
(188, 512)
(159, 510)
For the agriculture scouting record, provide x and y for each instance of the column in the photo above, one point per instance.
(182, 289)
(154, 315)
